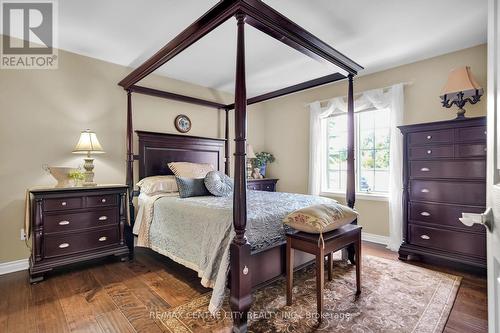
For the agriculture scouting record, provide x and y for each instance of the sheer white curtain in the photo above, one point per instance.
(315, 141)
(396, 169)
(392, 98)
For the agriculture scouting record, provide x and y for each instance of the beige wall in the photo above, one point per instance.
(287, 119)
(43, 111)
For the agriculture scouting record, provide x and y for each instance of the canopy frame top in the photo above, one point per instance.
(260, 16)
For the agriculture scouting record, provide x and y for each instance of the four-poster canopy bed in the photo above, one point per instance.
(156, 150)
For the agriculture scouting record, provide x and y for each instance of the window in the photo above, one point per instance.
(371, 152)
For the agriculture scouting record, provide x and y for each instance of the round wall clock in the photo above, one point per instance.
(182, 123)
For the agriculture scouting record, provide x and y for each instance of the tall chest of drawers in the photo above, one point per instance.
(444, 176)
(70, 225)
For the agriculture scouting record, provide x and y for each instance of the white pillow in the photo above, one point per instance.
(219, 184)
(158, 184)
(190, 170)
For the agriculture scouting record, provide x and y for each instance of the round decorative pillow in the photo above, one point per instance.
(219, 184)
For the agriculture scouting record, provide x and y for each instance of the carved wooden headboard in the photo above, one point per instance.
(156, 150)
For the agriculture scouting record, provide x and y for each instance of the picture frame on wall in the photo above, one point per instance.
(182, 123)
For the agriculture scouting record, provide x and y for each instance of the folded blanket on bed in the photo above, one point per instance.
(196, 232)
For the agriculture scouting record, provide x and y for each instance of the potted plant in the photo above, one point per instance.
(77, 176)
(262, 159)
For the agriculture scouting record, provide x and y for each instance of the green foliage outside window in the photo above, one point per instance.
(371, 155)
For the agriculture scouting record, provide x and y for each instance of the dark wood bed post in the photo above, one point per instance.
(241, 284)
(129, 237)
(351, 183)
(227, 165)
(130, 152)
(351, 180)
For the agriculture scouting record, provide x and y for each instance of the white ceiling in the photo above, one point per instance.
(376, 34)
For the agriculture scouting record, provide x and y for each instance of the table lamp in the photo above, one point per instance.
(250, 157)
(88, 144)
(461, 88)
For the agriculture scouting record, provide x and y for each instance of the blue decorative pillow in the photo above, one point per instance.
(219, 184)
(191, 187)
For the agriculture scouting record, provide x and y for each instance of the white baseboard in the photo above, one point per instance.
(14, 266)
(384, 240)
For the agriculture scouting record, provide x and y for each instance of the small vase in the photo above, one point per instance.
(263, 170)
(77, 182)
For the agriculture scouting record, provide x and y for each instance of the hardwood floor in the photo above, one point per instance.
(470, 310)
(110, 296)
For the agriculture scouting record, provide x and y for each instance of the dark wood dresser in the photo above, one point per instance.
(265, 184)
(74, 224)
(444, 176)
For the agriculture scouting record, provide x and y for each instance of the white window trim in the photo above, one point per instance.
(359, 195)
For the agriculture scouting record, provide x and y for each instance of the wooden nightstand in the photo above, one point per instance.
(266, 184)
(75, 224)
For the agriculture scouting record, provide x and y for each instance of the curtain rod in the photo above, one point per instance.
(407, 83)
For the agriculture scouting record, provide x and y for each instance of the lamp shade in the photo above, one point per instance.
(461, 80)
(88, 143)
(250, 152)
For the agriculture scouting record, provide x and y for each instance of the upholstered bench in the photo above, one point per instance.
(311, 243)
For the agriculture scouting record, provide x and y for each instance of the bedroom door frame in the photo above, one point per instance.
(493, 162)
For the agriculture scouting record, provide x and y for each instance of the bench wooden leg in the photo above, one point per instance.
(330, 266)
(289, 272)
(358, 265)
(320, 280)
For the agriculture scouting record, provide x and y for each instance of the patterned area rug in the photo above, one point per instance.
(396, 297)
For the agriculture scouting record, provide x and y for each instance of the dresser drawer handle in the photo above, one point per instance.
(429, 137)
(429, 152)
(103, 238)
(103, 218)
(425, 237)
(424, 190)
(103, 200)
(64, 223)
(63, 245)
(425, 214)
(425, 169)
(64, 203)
